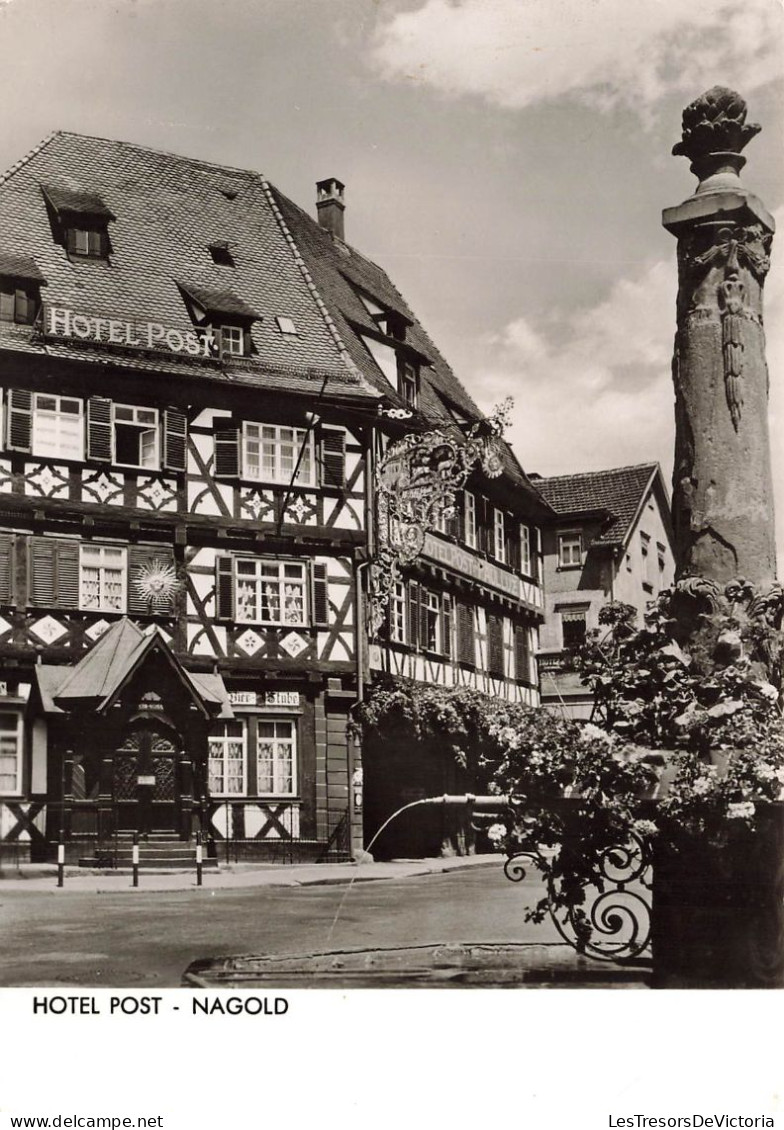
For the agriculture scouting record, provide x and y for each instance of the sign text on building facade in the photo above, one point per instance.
(68, 325)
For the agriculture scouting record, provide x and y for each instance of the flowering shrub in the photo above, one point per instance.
(699, 680)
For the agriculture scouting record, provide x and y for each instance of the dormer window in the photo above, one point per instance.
(20, 289)
(18, 303)
(408, 380)
(221, 254)
(87, 243)
(80, 221)
(232, 340)
(221, 317)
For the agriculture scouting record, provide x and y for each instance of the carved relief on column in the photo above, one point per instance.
(722, 489)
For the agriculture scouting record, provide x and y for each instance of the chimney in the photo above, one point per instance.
(330, 206)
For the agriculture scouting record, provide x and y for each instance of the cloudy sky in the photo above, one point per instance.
(506, 160)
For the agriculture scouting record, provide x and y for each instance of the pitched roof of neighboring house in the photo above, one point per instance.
(99, 675)
(616, 495)
(163, 213)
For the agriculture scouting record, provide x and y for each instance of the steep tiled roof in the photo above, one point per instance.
(342, 275)
(168, 211)
(620, 492)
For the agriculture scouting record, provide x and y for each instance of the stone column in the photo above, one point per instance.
(722, 489)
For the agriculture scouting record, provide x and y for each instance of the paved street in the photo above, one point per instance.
(148, 937)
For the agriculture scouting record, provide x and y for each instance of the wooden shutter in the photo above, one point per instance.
(512, 542)
(495, 644)
(227, 452)
(20, 420)
(466, 639)
(413, 614)
(320, 594)
(54, 573)
(446, 624)
(99, 429)
(333, 458)
(224, 588)
(175, 439)
(70, 240)
(485, 532)
(142, 562)
(522, 654)
(6, 568)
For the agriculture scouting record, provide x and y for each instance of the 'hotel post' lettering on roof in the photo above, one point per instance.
(67, 325)
(463, 561)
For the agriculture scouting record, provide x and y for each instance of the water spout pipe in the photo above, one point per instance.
(469, 800)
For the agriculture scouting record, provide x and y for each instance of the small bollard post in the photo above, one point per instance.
(60, 864)
(135, 859)
(199, 859)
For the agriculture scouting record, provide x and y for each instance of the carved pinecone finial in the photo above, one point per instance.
(715, 123)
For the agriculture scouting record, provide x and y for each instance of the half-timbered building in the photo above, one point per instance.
(202, 388)
(182, 512)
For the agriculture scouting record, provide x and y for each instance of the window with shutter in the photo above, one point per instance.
(320, 594)
(6, 568)
(19, 420)
(224, 588)
(333, 458)
(54, 573)
(152, 578)
(466, 635)
(495, 644)
(175, 439)
(227, 452)
(522, 653)
(525, 550)
(99, 429)
(446, 624)
(58, 426)
(413, 614)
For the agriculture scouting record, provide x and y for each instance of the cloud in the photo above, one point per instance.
(590, 388)
(593, 389)
(514, 53)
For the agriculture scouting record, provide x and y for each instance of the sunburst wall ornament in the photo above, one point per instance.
(416, 484)
(156, 582)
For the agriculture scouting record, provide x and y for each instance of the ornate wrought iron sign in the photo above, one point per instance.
(416, 483)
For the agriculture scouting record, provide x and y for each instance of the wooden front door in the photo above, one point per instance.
(146, 780)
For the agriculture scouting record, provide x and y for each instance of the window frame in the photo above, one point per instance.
(398, 616)
(573, 615)
(499, 535)
(260, 563)
(154, 428)
(570, 538)
(38, 412)
(223, 741)
(15, 294)
(469, 520)
(19, 755)
(303, 435)
(293, 742)
(408, 382)
(525, 550)
(102, 606)
(232, 335)
(95, 241)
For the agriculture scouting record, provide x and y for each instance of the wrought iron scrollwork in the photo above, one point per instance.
(614, 921)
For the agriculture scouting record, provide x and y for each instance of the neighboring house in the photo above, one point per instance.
(183, 512)
(612, 541)
(467, 612)
(198, 382)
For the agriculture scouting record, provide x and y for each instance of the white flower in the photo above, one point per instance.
(701, 786)
(591, 733)
(644, 828)
(743, 810)
(496, 834)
